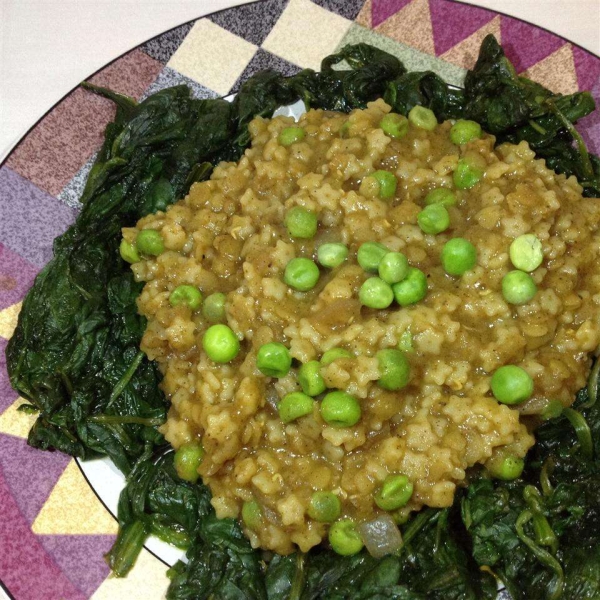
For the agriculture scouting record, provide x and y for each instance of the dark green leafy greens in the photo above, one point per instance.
(541, 533)
(425, 89)
(75, 356)
(75, 353)
(511, 107)
(515, 108)
(344, 89)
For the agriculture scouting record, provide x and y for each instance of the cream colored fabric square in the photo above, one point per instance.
(73, 509)
(8, 320)
(212, 56)
(13, 422)
(146, 581)
(306, 33)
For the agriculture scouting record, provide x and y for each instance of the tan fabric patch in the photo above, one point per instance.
(73, 508)
(465, 54)
(411, 26)
(13, 422)
(364, 17)
(306, 33)
(8, 320)
(556, 72)
(212, 56)
(146, 581)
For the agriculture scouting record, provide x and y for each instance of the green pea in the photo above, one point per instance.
(376, 293)
(464, 131)
(458, 256)
(295, 405)
(369, 256)
(302, 274)
(251, 514)
(332, 255)
(518, 287)
(213, 308)
(395, 492)
(505, 468)
(188, 295)
(467, 174)
(401, 516)
(387, 183)
(310, 379)
(394, 369)
(526, 252)
(405, 343)
(344, 538)
(149, 241)
(220, 343)
(187, 459)
(273, 360)
(433, 219)
(324, 507)
(345, 130)
(511, 385)
(394, 125)
(440, 196)
(422, 117)
(393, 267)
(333, 354)
(291, 135)
(340, 409)
(412, 288)
(128, 252)
(301, 222)
(552, 410)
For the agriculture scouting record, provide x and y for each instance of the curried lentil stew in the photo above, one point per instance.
(358, 311)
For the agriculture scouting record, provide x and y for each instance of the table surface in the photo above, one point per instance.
(67, 40)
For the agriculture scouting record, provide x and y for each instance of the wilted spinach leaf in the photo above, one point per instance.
(541, 534)
(345, 89)
(511, 107)
(221, 566)
(425, 89)
(515, 108)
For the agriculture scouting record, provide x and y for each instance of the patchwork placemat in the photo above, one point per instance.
(53, 529)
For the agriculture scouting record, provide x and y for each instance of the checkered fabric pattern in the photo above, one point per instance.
(53, 529)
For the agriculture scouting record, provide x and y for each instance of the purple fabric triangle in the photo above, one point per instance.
(7, 394)
(590, 125)
(80, 557)
(384, 9)
(25, 567)
(525, 44)
(587, 67)
(453, 22)
(16, 276)
(31, 474)
(31, 218)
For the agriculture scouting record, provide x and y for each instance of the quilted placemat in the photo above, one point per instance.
(53, 529)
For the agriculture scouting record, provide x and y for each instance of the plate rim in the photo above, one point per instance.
(215, 12)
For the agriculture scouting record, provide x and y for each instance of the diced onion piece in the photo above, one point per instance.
(381, 536)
